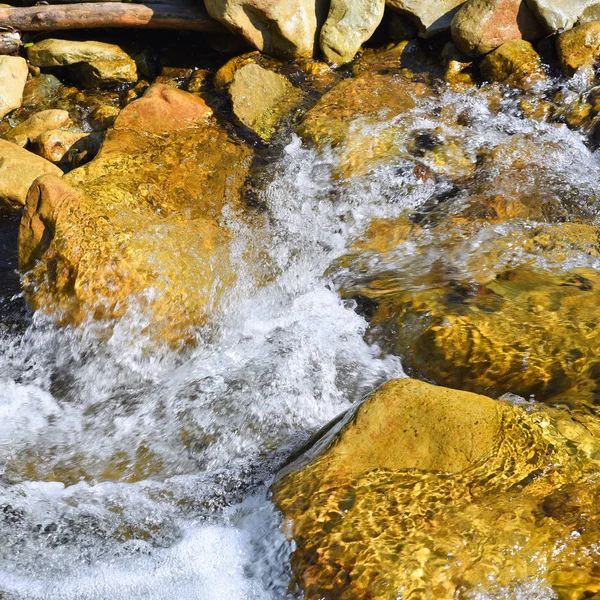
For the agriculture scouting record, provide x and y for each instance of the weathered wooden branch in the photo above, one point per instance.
(107, 14)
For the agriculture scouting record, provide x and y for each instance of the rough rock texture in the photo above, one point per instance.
(30, 129)
(431, 17)
(18, 169)
(349, 24)
(283, 29)
(579, 47)
(563, 14)
(421, 482)
(515, 63)
(480, 26)
(138, 228)
(13, 75)
(41, 90)
(260, 98)
(99, 63)
(54, 144)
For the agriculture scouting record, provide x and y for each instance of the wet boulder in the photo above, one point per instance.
(558, 15)
(54, 144)
(579, 47)
(431, 17)
(480, 26)
(41, 90)
(260, 98)
(515, 63)
(13, 75)
(349, 24)
(138, 228)
(18, 170)
(282, 29)
(96, 63)
(417, 484)
(30, 129)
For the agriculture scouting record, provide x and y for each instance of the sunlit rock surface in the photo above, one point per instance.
(428, 492)
(140, 223)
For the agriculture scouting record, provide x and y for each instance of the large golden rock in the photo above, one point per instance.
(427, 492)
(139, 225)
(515, 63)
(491, 312)
(579, 47)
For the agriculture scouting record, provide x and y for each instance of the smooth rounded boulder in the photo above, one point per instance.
(579, 47)
(431, 17)
(30, 129)
(515, 63)
(13, 76)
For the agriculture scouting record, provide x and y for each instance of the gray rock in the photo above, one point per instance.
(431, 16)
(349, 24)
(563, 14)
(13, 75)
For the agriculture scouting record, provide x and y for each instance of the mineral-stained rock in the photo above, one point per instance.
(55, 143)
(13, 75)
(138, 227)
(99, 64)
(30, 129)
(556, 15)
(103, 116)
(480, 26)
(283, 29)
(18, 169)
(431, 17)
(515, 63)
(349, 24)
(579, 47)
(260, 98)
(437, 493)
(40, 90)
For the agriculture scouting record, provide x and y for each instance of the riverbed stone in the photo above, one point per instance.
(30, 129)
(282, 29)
(261, 98)
(13, 75)
(579, 47)
(18, 170)
(41, 90)
(54, 144)
(138, 228)
(515, 63)
(557, 15)
(431, 17)
(412, 489)
(480, 26)
(349, 24)
(99, 64)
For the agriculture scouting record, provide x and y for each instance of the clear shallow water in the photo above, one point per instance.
(128, 473)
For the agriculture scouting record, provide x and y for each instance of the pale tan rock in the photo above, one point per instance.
(54, 144)
(480, 26)
(431, 16)
(32, 128)
(579, 47)
(283, 29)
(349, 24)
(260, 98)
(100, 63)
(13, 75)
(18, 170)
(557, 15)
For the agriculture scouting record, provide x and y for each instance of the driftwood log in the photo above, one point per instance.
(107, 14)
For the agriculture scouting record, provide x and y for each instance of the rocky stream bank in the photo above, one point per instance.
(330, 272)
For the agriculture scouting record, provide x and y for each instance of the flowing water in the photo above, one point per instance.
(132, 473)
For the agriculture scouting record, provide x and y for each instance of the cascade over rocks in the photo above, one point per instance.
(13, 75)
(284, 29)
(413, 488)
(140, 224)
(431, 16)
(18, 170)
(480, 26)
(349, 24)
(98, 63)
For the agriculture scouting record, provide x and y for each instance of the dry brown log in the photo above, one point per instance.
(107, 14)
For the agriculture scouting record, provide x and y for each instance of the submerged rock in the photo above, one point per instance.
(437, 493)
(431, 17)
(480, 26)
(41, 90)
(18, 170)
(99, 64)
(283, 29)
(139, 226)
(30, 129)
(349, 24)
(515, 63)
(13, 75)
(579, 47)
(261, 98)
